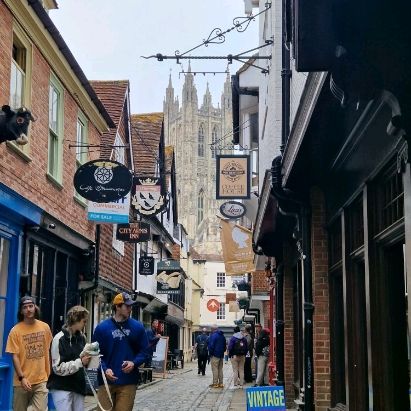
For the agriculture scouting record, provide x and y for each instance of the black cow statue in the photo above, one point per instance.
(14, 124)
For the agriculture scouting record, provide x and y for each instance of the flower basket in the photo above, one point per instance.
(243, 304)
(243, 286)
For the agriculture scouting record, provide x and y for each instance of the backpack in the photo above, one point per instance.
(202, 350)
(240, 347)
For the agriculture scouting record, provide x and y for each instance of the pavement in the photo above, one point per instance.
(185, 390)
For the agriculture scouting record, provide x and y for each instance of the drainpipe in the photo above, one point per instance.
(279, 324)
(308, 311)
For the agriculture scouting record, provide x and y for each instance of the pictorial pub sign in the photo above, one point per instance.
(168, 277)
(233, 177)
(133, 232)
(103, 181)
(148, 197)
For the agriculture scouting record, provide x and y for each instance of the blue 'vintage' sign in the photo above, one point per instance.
(265, 398)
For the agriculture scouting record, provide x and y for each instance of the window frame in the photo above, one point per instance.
(221, 312)
(56, 174)
(22, 38)
(200, 207)
(222, 277)
(81, 152)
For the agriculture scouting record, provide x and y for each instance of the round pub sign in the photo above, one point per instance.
(103, 181)
(232, 209)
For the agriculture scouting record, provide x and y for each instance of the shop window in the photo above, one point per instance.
(56, 109)
(355, 225)
(220, 280)
(221, 312)
(389, 192)
(335, 243)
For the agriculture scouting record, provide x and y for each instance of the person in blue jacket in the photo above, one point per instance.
(153, 337)
(216, 347)
(123, 346)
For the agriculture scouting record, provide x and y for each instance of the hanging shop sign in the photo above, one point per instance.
(103, 181)
(233, 177)
(238, 254)
(133, 232)
(148, 196)
(115, 212)
(213, 305)
(146, 265)
(168, 277)
(230, 297)
(232, 209)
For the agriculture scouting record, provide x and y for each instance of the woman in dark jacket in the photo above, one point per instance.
(67, 382)
(262, 353)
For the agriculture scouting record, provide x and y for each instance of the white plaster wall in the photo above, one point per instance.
(207, 317)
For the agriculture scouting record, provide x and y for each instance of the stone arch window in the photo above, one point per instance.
(200, 206)
(214, 136)
(201, 141)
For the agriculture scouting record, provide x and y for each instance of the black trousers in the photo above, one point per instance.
(248, 375)
(202, 362)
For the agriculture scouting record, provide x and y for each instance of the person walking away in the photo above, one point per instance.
(262, 350)
(202, 351)
(123, 346)
(67, 382)
(153, 337)
(29, 344)
(237, 350)
(216, 347)
(258, 328)
(248, 375)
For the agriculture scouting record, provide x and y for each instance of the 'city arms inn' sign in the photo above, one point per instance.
(133, 233)
(233, 177)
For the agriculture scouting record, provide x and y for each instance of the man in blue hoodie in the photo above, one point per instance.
(216, 348)
(123, 346)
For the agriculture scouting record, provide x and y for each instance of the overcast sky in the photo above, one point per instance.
(108, 37)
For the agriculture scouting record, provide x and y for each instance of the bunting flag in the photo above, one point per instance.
(237, 251)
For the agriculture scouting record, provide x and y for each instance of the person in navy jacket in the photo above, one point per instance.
(153, 337)
(216, 347)
(123, 346)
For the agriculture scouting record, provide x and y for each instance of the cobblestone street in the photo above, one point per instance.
(186, 390)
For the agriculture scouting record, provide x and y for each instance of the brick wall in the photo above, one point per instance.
(28, 178)
(321, 331)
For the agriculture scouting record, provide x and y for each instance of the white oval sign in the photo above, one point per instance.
(232, 209)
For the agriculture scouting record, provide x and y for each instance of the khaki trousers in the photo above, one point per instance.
(217, 370)
(237, 362)
(122, 396)
(36, 398)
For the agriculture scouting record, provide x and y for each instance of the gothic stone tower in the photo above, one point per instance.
(191, 130)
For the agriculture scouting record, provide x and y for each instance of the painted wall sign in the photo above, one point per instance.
(232, 209)
(133, 232)
(168, 277)
(233, 177)
(103, 181)
(115, 212)
(146, 265)
(213, 305)
(268, 398)
(148, 196)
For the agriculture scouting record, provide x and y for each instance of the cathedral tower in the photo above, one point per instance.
(192, 130)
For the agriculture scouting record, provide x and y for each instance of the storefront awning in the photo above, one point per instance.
(155, 306)
(175, 314)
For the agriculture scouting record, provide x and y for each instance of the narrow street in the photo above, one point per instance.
(187, 390)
